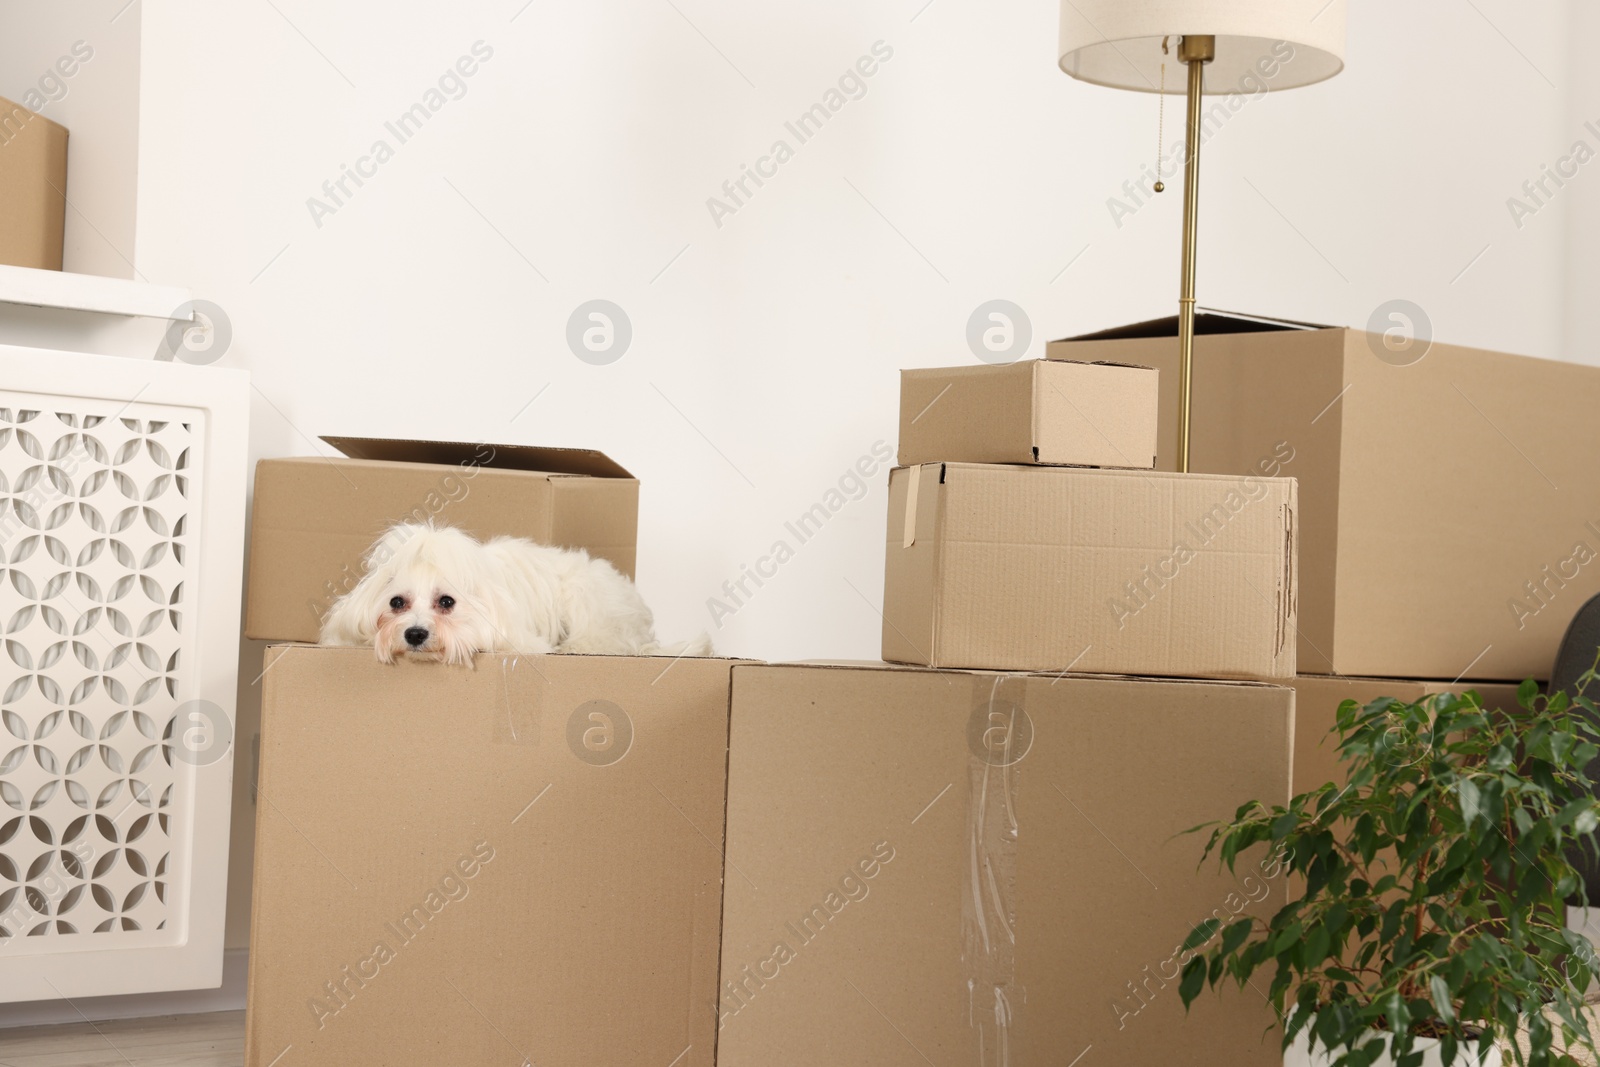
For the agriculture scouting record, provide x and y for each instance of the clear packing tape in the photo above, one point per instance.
(523, 691)
(999, 735)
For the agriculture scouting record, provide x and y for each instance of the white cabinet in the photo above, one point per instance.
(122, 485)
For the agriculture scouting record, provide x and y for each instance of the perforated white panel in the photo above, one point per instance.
(94, 535)
(113, 737)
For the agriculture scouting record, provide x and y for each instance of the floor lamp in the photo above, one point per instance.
(1249, 46)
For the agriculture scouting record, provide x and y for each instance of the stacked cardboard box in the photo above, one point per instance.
(1437, 556)
(518, 862)
(980, 859)
(971, 855)
(1450, 504)
(942, 866)
(1069, 562)
(1450, 529)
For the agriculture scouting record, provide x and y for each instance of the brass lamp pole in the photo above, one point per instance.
(1251, 47)
(1195, 51)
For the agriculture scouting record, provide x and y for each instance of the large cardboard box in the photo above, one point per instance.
(520, 862)
(972, 868)
(33, 188)
(1036, 411)
(315, 517)
(1316, 711)
(1104, 571)
(1451, 500)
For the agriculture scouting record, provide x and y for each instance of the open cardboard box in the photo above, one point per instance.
(521, 861)
(315, 517)
(1450, 497)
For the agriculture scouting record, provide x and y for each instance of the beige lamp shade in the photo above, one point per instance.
(1261, 44)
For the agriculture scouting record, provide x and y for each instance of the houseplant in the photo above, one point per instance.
(1427, 910)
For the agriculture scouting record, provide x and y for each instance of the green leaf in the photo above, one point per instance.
(1235, 935)
(1472, 806)
(1586, 821)
(1315, 946)
(1194, 979)
(1201, 934)
(1441, 998)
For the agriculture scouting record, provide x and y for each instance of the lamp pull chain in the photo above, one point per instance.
(1161, 119)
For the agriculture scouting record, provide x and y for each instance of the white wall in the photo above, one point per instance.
(764, 357)
(78, 64)
(763, 365)
(1580, 199)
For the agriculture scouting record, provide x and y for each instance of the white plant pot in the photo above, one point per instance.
(1298, 1055)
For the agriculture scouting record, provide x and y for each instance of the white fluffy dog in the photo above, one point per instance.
(436, 593)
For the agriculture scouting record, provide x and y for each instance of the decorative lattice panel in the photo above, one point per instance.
(98, 534)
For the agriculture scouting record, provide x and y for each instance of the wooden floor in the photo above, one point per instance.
(215, 1040)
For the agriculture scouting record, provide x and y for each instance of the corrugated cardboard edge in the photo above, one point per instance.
(1289, 594)
(1036, 384)
(263, 784)
(1087, 676)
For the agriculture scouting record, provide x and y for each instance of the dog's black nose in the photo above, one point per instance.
(415, 635)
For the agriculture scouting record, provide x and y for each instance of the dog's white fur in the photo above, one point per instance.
(505, 595)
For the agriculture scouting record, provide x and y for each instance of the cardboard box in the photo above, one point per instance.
(1316, 710)
(314, 517)
(1037, 411)
(1451, 523)
(517, 862)
(1101, 571)
(33, 188)
(910, 849)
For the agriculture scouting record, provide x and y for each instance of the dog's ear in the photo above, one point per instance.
(353, 619)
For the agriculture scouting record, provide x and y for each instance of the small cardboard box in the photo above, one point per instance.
(1316, 712)
(314, 518)
(33, 188)
(930, 866)
(1451, 523)
(1100, 571)
(1038, 411)
(519, 862)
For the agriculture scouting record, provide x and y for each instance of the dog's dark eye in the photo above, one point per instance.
(447, 602)
(397, 602)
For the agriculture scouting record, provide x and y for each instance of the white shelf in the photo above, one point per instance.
(88, 292)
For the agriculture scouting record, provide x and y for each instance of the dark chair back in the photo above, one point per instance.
(1577, 654)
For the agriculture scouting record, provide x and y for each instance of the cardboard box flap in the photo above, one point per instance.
(1206, 321)
(1105, 363)
(586, 461)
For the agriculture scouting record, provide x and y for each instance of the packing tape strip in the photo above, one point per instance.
(522, 699)
(913, 487)
(999, 735)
